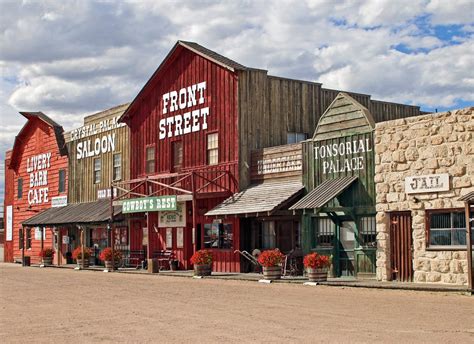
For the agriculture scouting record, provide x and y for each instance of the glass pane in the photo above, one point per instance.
(441, 220)
(212, 141)
(117, 160)
(150, 153)
(325, 232)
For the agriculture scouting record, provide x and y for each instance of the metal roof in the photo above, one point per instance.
(468, 197)
(78, 213)
(212, 55)
(324, 192)
(259, 198)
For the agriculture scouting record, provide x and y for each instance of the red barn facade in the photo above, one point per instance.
(35, 179)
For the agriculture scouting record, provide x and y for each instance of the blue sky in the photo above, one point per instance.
(72, 58)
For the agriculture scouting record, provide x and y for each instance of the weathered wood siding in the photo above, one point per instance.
(81, 171)
(37, 138)
(269, 108)
(276, 162)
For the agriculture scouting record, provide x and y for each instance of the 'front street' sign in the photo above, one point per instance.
(144, 204)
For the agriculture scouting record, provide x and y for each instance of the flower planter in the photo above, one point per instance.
(202, 270)
(86, 262)
(47, 260)
(272, 273)
(108, 264)
(317, 275)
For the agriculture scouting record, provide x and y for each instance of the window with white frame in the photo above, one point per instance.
(97, 170)
(212, 149)
(150, 160)
(117, 168)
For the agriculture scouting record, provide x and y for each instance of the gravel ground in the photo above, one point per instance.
(59, 305)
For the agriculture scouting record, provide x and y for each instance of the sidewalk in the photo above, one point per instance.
(254, 277)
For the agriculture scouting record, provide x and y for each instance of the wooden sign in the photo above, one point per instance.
(277, 162)
(144, 204)
(9, 223)
(173, 218)
(427, 183)
(58, 201)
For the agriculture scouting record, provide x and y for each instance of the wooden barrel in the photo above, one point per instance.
(48, 260)
(86, 263)
(202, 270)
(108, 264)
(272, 273)
(317, 275)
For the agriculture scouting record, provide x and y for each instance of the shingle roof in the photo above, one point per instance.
(259, 198)
(468, 197)
(78, 213)
(324, 192)
(212, 55)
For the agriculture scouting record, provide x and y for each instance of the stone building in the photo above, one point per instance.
(423, 165)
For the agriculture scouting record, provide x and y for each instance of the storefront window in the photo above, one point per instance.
(325, 229)
(446, 229)
(218, 235)
(268, 235)
(368, 231)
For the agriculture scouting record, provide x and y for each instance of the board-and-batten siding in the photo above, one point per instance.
(81, 183)
(269, 108)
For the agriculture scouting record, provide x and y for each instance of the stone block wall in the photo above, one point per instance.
(427, 144)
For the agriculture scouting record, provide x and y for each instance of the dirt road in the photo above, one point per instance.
(59, 305)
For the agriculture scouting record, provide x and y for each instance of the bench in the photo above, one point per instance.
(135, 257)
(164, 258)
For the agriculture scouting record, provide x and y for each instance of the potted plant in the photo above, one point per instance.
(77, 255)
(47, 256)
(271, 261)
(106, 257)
(317, 267)
(202, 261)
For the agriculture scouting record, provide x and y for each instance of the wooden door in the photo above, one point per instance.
(401, 245)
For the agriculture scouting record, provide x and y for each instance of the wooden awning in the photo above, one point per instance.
(468, 197)
(324, 192)
(79, 213)
(263, 198)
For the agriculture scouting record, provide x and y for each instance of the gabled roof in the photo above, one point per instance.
(31, 116)
(197, 49)
(345, 116)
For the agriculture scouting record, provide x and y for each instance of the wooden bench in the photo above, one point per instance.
(136, 257)
(164, 258)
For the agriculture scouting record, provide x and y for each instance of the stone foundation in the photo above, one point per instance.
(422, 145)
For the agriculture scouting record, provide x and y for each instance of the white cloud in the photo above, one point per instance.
(73, 58)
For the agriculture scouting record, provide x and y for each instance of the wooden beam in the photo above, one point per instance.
(470, 276)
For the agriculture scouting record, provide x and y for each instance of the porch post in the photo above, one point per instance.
(82, 247)
(148, 246)
(22, 239)
(469, 245)
(112, 226)
(42, 243)
(194, 234)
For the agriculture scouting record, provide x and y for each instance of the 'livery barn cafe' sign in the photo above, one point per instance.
(37, 168)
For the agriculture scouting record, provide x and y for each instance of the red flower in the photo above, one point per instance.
(77, 253)
(47, 253)
(271, 258)
(106, 255)
(316, 261)
(202, 257)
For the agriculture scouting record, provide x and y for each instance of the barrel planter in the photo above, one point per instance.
(317, 275)
(79, 262)
(202, 270)
(272, 273)
(108, 264)
(47, 260)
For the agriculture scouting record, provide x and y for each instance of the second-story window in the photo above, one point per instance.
(97, 168)
(117, 168)
(150, 160)
(62, 181)
(212, 149)
(20, 188)
(177, 151)
(292, 137)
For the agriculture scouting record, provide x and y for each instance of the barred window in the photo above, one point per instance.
(117, 168)
(325, 230)
(150, 160)
(446, 229)
(368, 231)
(97, 170)
(212, 149)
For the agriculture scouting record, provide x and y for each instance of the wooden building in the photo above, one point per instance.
(35, 180)
(339, 207)
(98, 154)
(192, 129)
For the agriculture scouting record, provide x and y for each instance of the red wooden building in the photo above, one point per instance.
(192, 129)
(35, 179)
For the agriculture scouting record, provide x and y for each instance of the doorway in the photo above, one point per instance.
(401, 246)
(347, 231)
